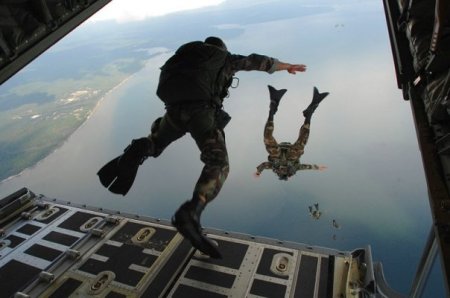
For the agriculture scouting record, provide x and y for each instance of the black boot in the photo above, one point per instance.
(118, 175)
(275, 97)
(187, 222)
(317, 98)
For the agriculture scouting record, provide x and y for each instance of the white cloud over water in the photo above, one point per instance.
(134, 10)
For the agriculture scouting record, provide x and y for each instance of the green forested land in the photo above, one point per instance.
(25, 140)
(35, 139)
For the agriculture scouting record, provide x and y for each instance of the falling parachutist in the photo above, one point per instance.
(335, 224)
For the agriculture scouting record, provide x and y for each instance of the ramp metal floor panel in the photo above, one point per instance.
(58, 249)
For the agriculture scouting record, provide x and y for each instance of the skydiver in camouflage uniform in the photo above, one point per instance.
(284, 158)
(193, 94)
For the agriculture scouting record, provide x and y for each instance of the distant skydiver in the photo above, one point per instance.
(336, 225)
(284, 158)
(192, 84)
(315, 212)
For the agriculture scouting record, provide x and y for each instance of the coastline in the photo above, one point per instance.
(100, 101)
(161, 51)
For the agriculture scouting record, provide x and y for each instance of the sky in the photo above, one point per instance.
(135, 10)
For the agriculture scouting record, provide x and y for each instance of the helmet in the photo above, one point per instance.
(283, 173)
(215, 41)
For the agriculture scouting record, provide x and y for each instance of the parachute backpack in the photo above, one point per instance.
(193, 74)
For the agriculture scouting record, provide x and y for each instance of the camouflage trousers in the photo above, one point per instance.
(200, 122)
(294, 150)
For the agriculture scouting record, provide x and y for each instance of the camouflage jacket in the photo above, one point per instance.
(251, 62)
(293, 166)
(285, 163)
(235, 63)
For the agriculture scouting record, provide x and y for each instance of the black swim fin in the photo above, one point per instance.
(108, 173)
(118, 175)
(317, 98)
(275, 97)
(116, 180)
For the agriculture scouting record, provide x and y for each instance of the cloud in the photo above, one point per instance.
(135, 10)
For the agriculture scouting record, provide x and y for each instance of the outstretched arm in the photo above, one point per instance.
(291, 68)
(311, 167)
(262, 167)
(263, 63)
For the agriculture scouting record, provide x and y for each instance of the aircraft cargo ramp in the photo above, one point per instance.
(51, 248)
